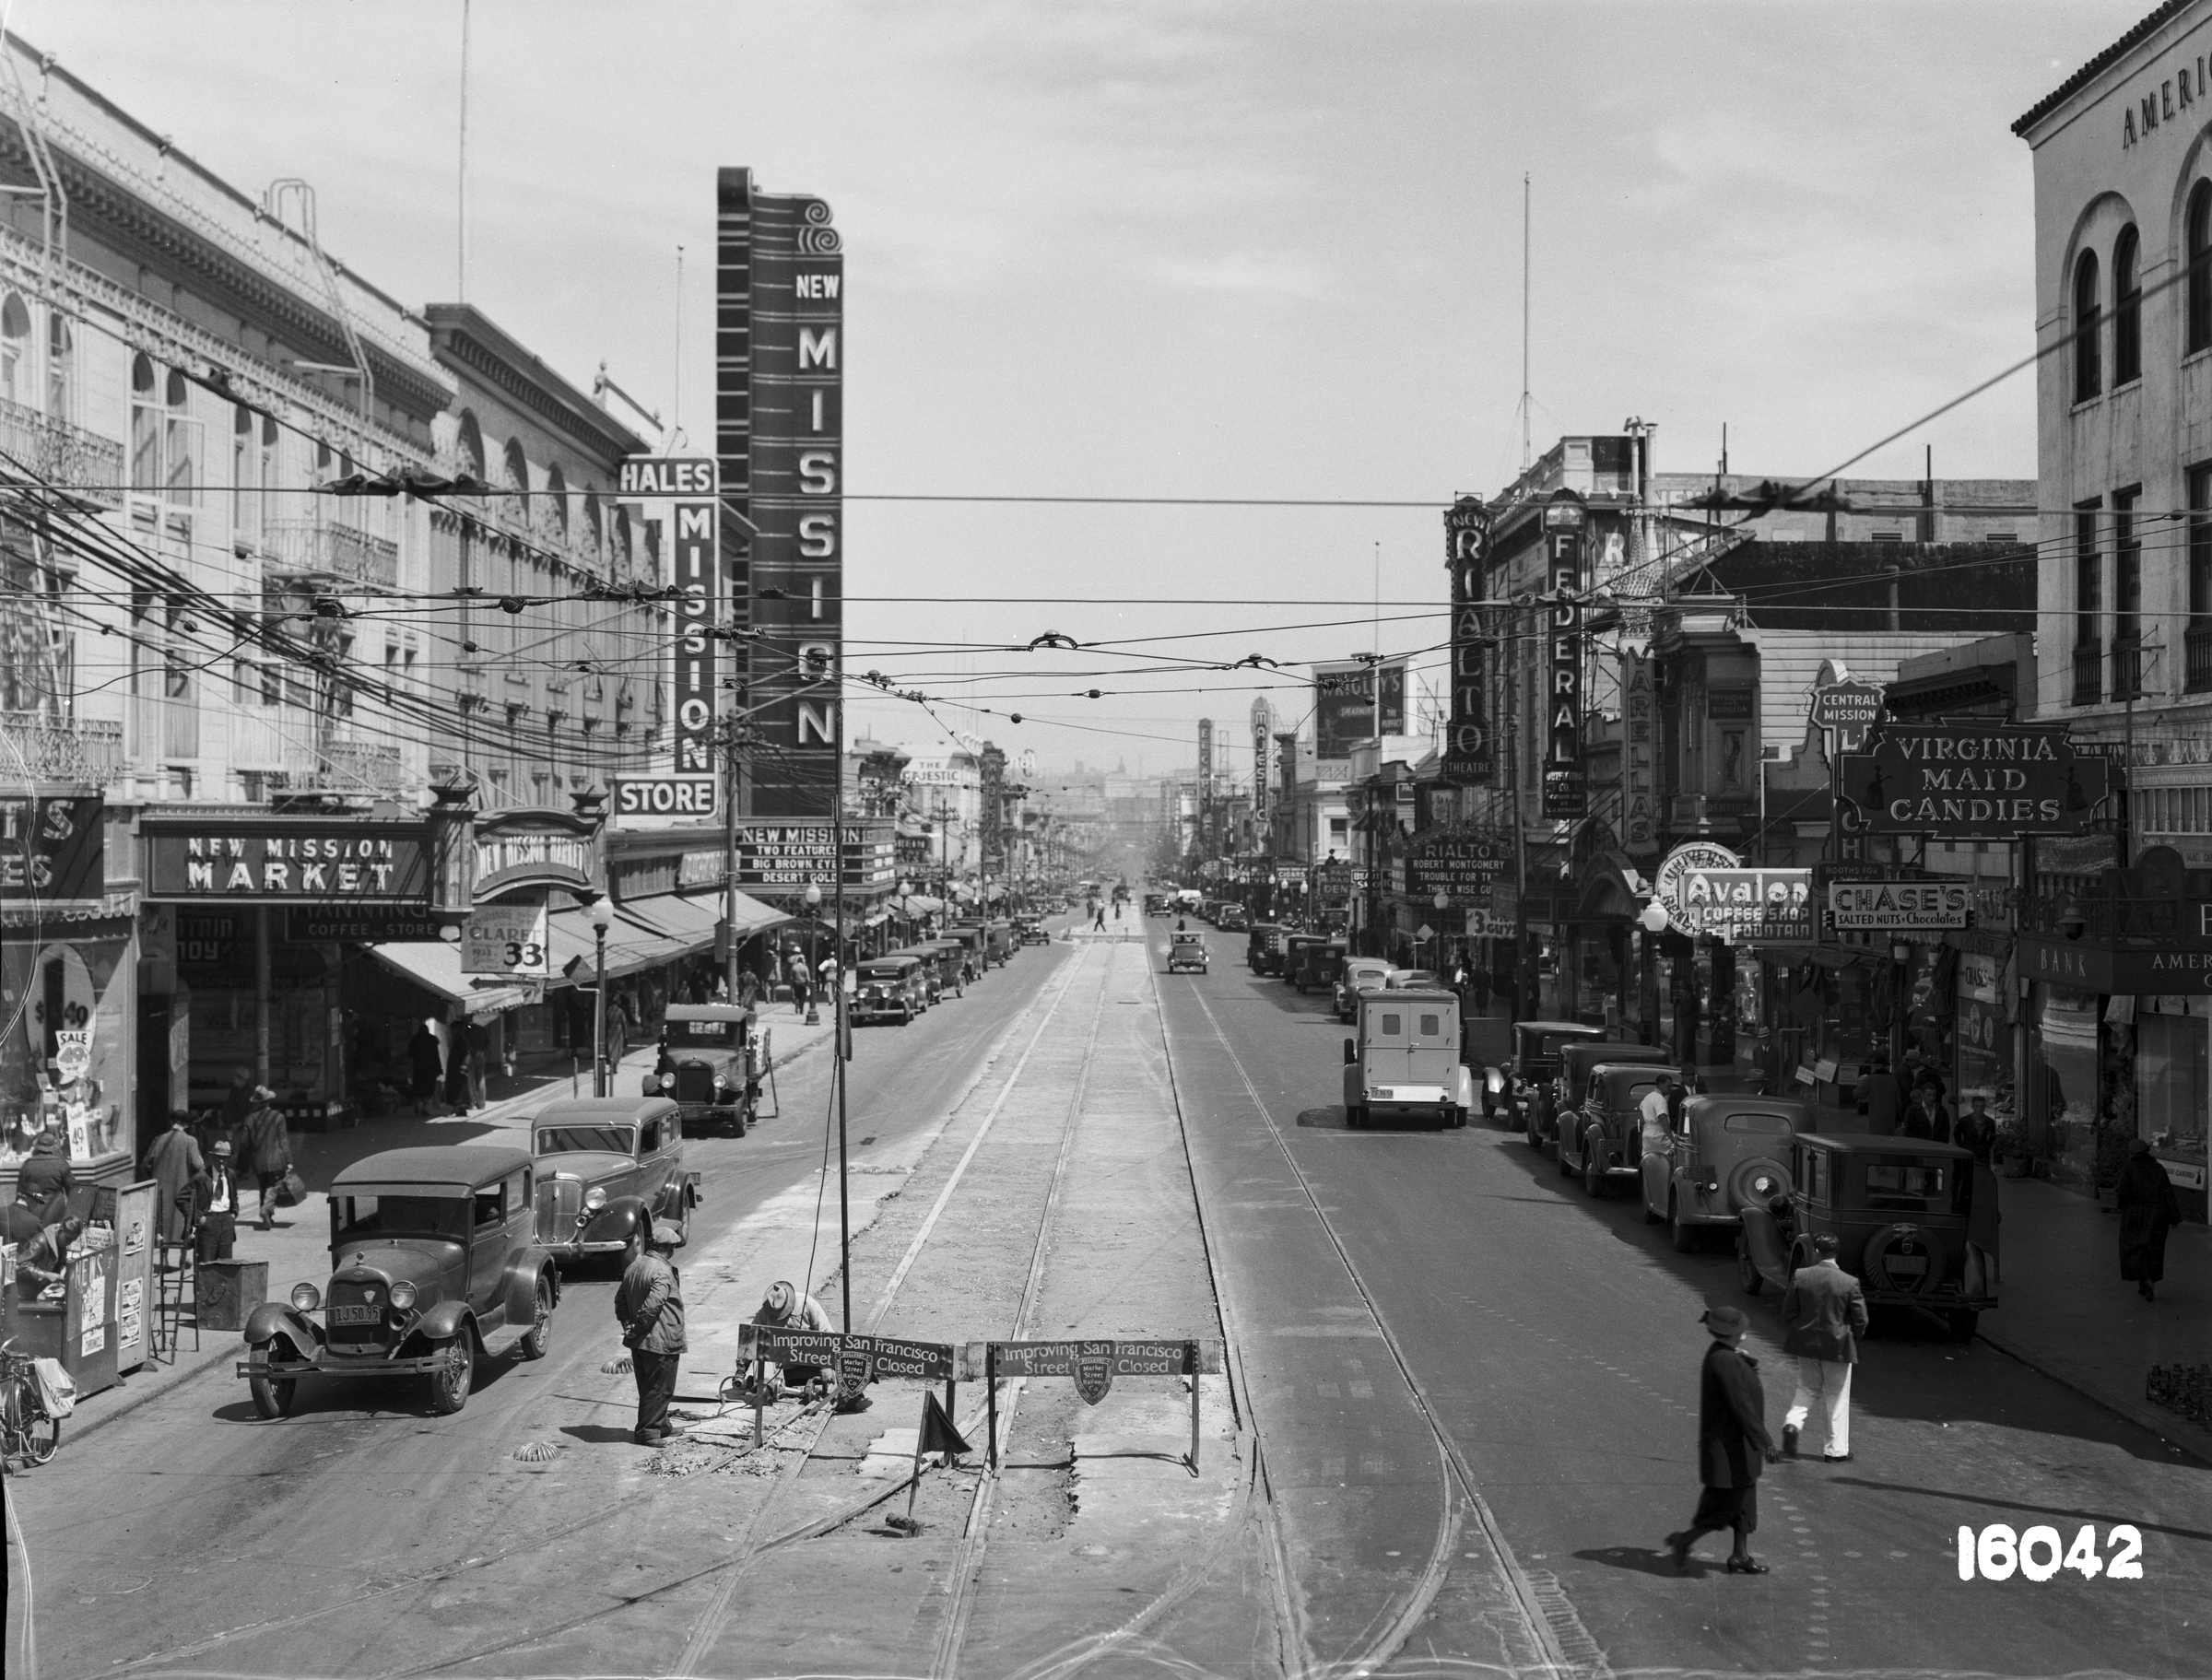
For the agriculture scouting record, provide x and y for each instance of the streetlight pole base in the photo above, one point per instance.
(814, 1016)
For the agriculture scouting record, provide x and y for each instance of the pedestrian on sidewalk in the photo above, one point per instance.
(1657, 1112)
(1878, 1101)
(173, 1161)
(46, 1179)
(1977, 1132)
(649, 1305)
(1098, 918)
(2148, 1209)
(1826, 1314)
(215, 1213)
(478, 1063)
(1732, 1443)
(269, 1151)
(425, 1063)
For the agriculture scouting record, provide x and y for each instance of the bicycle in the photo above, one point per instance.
(28, 1431)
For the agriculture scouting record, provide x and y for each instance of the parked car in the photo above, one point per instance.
(974, 942)
(1405, 1063)
(435, 1256)
(607, 1166)
(1030, 929)
(1263, 954)
(1508, 1088)
(1186, 953)
(998, 940)
(1413, 979)
(1899, 1208)
(1724, 1154)
(1233, 919)
(953, 962)
(1565, 1091)
(1297, 969)
(1602, 1139)
(1355, 975)
(888, 989)
(710, 1064)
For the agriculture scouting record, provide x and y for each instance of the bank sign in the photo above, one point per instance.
(1973, 780)
(358, 863)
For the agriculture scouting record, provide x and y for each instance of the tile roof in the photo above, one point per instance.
(2098, 66)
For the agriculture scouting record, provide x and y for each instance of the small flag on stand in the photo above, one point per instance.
(936, 1434)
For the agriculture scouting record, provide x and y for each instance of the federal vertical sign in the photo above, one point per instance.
(780, 418)
(682, 497)
(1565, 790)
(1467, 751)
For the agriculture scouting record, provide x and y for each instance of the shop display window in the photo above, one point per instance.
(66, 1058)
(2172, 1081)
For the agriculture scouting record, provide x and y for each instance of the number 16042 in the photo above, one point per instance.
(1995, 1553)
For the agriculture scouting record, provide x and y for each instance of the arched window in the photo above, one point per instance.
(145, 426)
(61, 368)
(15, 344)
(2088, 320)
(2127, 307)
(469, 446)
(595, 528)
(2197, 235)
(556, 504)
(515, 503)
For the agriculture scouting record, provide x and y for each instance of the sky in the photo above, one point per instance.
(1190, 249)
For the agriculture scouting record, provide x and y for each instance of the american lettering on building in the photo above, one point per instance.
(2171, 99)
(276, 863)
(1468, 750)
(1973, 782)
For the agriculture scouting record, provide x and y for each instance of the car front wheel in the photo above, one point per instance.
(540, 1337)
(456, 1373)
(1594, 1172)
(272, 1396)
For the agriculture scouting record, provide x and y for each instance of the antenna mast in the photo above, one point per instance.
(1525, 401)
(461, 189)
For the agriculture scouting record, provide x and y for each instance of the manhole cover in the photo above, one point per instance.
(536, 1451)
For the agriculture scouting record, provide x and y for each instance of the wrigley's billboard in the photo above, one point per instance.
(1973, 780)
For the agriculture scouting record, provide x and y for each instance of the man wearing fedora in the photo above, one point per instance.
(268, 1145)
(1732, 1443)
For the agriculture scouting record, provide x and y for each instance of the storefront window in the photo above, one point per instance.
(2071, 1088)
(1981, 1065)
(66, 1060)
(2171, 1082)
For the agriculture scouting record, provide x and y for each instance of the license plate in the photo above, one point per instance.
(353, 1315)
(1908, 1266)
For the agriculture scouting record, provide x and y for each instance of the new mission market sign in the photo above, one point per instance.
(1973, 780)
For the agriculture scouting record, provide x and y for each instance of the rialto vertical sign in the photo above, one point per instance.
(780, 418)
(681, 495)
(1566, 787)
(1468, 752)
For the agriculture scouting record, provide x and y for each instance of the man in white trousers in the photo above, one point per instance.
(1826, 1314)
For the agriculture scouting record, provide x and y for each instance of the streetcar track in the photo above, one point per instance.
(1538, 1622)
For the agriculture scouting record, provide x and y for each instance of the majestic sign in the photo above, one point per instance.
(664, 796)
(1973, 780)
(1263, 732)
(1467, 751)
(51, 847)
(1565, 792)
(507, 937)
(1343, 708)
(1704, 889)
(536, 846)
(278, 860)
(1915, 905)
(1850, 707)
(991, 810)
(1640, 736)
(779, 404)
(1205, 782)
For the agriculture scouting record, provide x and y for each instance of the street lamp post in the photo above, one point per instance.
(602, 917)
(814, 911)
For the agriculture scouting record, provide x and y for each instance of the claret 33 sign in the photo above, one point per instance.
(1973, 780)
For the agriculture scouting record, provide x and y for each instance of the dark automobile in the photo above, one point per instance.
(1295, 946)
(959, 963)
(434, 1254)
(1156, 904)
(710, 1065)
(1603, 1138)
(1186, 951)
(889, 989)
(1576, 1057)
(1507, 1088)
(933, 975)
(974, 943)
(1313, 962)
(1900, 1209)
(1264, 947)
(1233, 919)
(607, 1166)
(1030, 929)
(1724, 1154)
(1355, 975)
(999, 940)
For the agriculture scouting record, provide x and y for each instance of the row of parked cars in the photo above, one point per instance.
(1756, 1172)
(901, 984)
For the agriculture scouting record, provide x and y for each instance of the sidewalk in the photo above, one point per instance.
(298, 1248)
(2068, 1315)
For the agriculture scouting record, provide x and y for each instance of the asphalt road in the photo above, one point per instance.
(1553, 1341)
(365, 1536)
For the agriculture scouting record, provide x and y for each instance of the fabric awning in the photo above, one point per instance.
(629, 948)
(917, 904)
(437, 969)
(693, 919)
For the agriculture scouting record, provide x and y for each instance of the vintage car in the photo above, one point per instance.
(1602, 1139)
(974, 948)
(1186, 953)
(710, 1064)
(1156, 904)
(933, 977)
(609, 1165)
(1263, 947)
(889, 989)
(1405, 1063)
(1509, 1087)
(1902, 1212)
(998, 940)
(1234, 919)
(435, 1254)
(1030, 929)
(1355, 975)
(1298, 966)
(1576, 1058)
(1413, 979)
(1724, 1154)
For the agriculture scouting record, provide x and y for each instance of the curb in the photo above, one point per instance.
(2195, 1443)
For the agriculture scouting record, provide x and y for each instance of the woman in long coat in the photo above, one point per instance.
(2148, 1210)
(174, 1161)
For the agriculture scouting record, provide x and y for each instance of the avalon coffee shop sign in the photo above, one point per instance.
(255, 858)
(1973, 780)
(1704, 889)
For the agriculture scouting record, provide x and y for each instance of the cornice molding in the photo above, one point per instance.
(464, 335)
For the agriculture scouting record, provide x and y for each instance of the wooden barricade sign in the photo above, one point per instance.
(855, 1360)
(1094, 1364)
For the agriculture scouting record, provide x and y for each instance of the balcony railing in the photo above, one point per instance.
(80, 461)
(2127, 667)
(62, 749)
(340, 553)
(2196, 657)
(2088, 674)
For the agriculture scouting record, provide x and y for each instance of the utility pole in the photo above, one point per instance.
(1524, 396)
